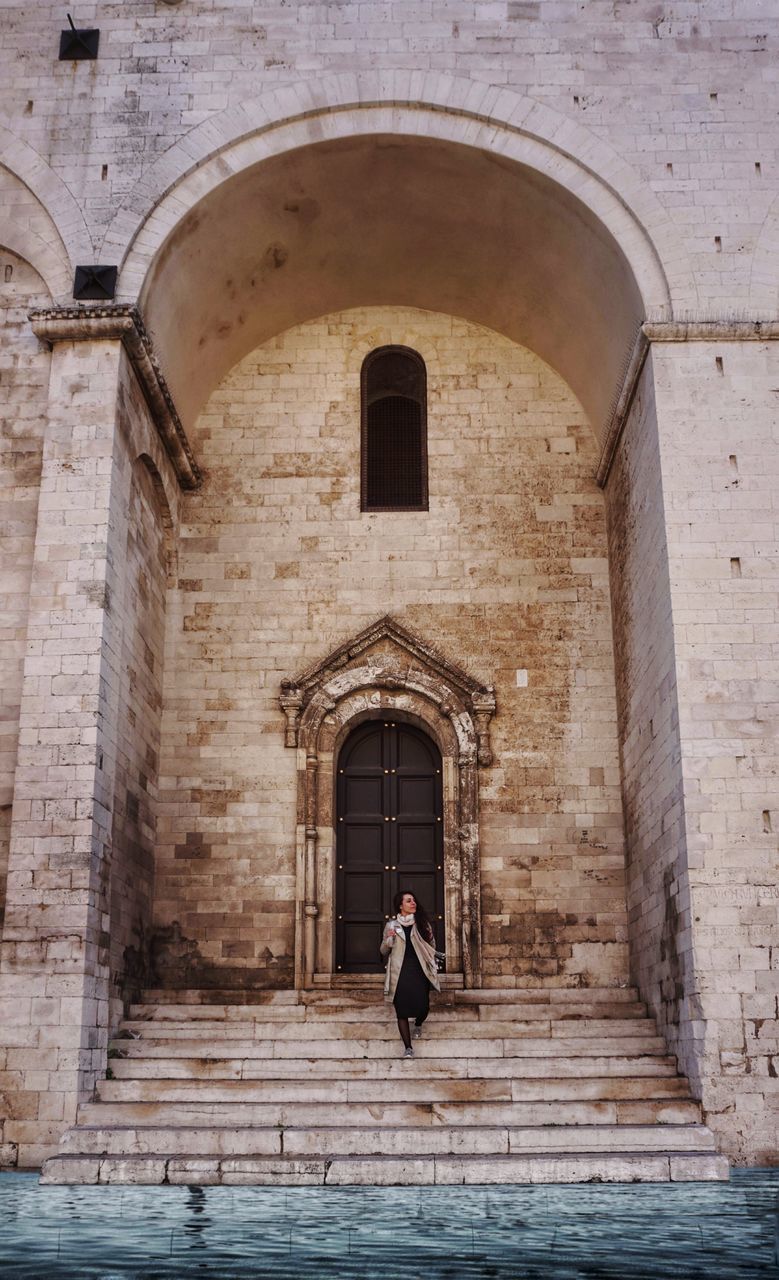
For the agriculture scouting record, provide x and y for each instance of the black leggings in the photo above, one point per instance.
(405, 1030)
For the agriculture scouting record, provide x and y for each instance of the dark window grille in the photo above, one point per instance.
(394, 431)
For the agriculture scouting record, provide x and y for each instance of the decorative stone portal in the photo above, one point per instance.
(386, 670)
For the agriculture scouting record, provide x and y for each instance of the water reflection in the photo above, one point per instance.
(676, 1231)
(197, 1222)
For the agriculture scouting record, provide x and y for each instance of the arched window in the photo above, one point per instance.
(394, 431)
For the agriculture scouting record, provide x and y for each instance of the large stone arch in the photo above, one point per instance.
(161, 235)
(386, 671)
(450, 107)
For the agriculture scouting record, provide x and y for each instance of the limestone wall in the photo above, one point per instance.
(147, 563)
(653, 791)
(24, 375)
(718, 437)
(506, 574)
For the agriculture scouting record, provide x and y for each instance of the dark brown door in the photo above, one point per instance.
(389, 820)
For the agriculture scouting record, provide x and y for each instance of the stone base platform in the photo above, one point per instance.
(519, 1086)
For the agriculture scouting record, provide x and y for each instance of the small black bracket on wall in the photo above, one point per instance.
(76, 44)
(95, 284)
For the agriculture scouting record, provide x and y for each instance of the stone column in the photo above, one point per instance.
(54, 961)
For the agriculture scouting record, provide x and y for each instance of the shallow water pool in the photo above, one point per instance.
(459, 1233)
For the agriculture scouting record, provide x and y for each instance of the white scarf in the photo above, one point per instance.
(406, 920)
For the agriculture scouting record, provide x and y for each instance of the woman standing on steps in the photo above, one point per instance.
(409, 947)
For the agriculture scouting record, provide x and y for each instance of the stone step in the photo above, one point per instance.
(199, 1015)
(386, 1091)
(328, 1029)
(154, 1170)
(508, 995)
(507, 1085)
(225, 996)
(388, 1114)
(220, 1015)
(470, 1140)
(388, 1048)
(199, 1068)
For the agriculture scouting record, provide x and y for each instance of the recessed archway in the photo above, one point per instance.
(499, 212)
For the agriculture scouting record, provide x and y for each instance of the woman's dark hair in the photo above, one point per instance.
(422, 919)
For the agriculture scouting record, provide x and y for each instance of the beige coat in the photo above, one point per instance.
(395, 953)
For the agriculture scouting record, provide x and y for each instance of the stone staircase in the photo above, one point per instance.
(507, 1086)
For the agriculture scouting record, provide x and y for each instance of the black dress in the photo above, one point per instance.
(412, 994)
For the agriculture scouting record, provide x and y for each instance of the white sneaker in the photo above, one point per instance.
(408, 1053)
(416, 1033)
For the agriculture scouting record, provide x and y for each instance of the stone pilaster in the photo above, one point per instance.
(54, 974)
(55, 958)
(691, 495)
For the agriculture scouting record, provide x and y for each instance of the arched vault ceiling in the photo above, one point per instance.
(391, 220)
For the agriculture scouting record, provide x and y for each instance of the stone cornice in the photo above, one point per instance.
(655, 331)
(711, 330)
(123, 322)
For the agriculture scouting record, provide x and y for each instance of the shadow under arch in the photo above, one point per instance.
(432, 205)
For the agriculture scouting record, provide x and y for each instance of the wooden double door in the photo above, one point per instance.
(389, 836)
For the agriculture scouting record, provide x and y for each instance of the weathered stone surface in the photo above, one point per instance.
(393, 1172)
(162, 833)
(206, 1126)
(540, 1169)
(711, 1168)
(145, 1170)
(75, 1169)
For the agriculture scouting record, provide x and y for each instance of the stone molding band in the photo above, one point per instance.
(652, 331)
(123, 321)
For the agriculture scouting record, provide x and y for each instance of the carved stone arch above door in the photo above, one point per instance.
(386, 670)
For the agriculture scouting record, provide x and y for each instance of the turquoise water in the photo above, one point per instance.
(684, 1231)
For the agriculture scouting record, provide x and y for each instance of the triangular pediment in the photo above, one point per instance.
(389, 639)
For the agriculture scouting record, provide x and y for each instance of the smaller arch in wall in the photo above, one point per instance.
(386, 671)
(29, 229)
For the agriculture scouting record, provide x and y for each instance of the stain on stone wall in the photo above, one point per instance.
(506, 573)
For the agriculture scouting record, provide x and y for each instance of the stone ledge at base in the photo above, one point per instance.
(388, 1171)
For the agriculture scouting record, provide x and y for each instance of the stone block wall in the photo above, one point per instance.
(24, 376)
(652, 783)
(717, 406)
(506, 575)
(147, 565)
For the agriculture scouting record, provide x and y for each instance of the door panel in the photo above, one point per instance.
(389, 819)
(364, 795)
(363, 845)
(416, 795)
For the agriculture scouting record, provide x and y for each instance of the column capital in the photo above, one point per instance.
(123, 322)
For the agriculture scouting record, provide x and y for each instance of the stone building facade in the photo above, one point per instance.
(571, 213)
